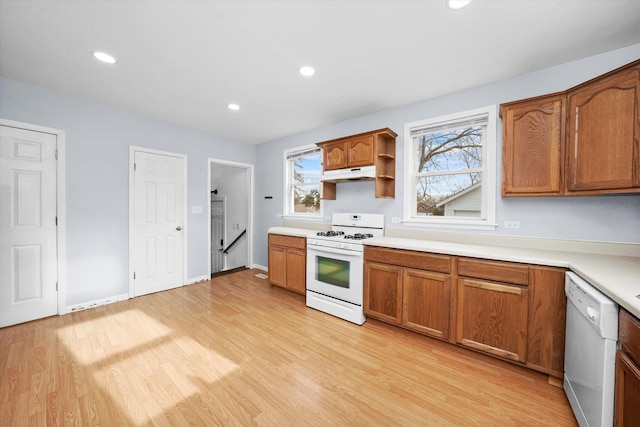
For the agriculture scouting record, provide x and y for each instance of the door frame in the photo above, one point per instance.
(132, 229)
(61, 213)
(249, 169)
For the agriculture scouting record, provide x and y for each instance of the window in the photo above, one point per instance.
(450, 170)
(302, 182)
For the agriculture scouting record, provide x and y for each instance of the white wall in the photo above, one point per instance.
(614, 218)
(97, 155)
(97, 159)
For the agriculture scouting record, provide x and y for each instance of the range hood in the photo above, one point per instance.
(349, 174)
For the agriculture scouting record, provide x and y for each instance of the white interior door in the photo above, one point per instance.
(159, 186)
(28, 255)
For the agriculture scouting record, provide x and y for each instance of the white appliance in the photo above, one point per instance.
(590, 352)
(350, 174)
(335, 265)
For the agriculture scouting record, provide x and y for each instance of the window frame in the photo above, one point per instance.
(487, 220)
(288, 209)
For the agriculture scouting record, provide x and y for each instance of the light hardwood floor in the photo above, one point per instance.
(236, 351)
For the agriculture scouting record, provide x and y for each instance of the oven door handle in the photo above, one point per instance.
(327, 250)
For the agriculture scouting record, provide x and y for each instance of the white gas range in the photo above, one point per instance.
(335, 265)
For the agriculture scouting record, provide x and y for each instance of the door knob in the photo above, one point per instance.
(178, 228)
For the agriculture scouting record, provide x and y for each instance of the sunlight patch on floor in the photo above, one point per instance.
(124, 364)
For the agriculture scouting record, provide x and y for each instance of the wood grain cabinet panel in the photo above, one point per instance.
(492, 317)
(532, 136)
(383, 292)
(360, 151)
(603, 131)
(278, 266)
(414, 259)
(426, 299)
(288, 262)
(547, 320)
(334, 155)
(627, 393)
(297, 271)
(499, 271)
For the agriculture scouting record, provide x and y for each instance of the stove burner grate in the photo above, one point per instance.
(330, 233)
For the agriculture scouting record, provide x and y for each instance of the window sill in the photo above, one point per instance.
(315, 218)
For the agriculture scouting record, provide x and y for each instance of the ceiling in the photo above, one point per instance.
(185, 61)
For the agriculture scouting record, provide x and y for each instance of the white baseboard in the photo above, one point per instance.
(96, 303)
(198, 280)
(260, 267)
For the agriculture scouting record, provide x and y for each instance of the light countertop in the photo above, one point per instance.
(617, 276)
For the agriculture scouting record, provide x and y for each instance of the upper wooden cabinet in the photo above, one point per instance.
(376, 148)
(532, 135)
(579, 142)
(603, 134)
(352, 152)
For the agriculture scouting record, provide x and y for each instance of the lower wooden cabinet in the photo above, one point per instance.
(383, 292)
(426, 299)
(509, 310)
(415, 298)
(288, 262)
(492, 317)
(627, 394)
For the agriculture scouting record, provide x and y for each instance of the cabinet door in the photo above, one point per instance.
(426, 299)
(360, 151)
(297, 271)
(627, 397)
(532, 135)
(383, 292)
(277, 266)
(603, 151)
(334, 155)
(492, 317)
(547, 320)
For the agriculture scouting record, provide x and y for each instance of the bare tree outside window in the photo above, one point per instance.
(449, 167)
(305, 182)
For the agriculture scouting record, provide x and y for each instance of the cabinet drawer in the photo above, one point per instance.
(288, 241)
(498, 271)
(629, 334)
(414, 259)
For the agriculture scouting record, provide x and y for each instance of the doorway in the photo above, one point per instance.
(230, 215)
(32, 215)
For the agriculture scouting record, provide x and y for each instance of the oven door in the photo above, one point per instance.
(335, 273)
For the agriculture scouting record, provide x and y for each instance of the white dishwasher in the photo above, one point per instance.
(590, 352)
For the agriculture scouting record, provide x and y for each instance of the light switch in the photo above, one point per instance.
(196, 209)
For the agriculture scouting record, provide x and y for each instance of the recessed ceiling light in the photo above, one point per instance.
(457, 4)
(234, 107)
(307, 71)
(104, 57)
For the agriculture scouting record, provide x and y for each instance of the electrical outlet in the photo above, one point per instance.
(396, 220)
(512, 224)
